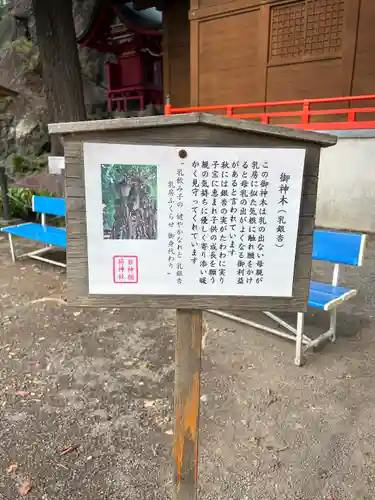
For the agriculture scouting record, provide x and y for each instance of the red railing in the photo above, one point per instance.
(308, 117)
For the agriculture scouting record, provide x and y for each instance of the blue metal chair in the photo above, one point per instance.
(339, 248)
(49, 235)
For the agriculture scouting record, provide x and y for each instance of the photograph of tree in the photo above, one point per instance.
(129, 198)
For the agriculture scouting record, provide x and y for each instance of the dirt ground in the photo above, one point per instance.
(102, 381)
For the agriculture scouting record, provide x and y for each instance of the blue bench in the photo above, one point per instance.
(338, 248)
(49, 235)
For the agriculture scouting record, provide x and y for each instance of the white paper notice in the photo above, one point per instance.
(220, 221)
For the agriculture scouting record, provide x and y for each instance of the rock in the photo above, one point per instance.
(25, 129)
(42, 181)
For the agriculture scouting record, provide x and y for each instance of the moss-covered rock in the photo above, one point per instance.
(27, 164)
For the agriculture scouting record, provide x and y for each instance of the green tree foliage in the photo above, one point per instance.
(20, 200)
(127, 191)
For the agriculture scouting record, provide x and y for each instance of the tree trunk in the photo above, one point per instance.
(59, 56)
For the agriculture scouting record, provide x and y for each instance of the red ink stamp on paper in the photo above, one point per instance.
(125, 269)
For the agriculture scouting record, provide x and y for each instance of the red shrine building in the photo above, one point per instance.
(305, 63)
(133, 41)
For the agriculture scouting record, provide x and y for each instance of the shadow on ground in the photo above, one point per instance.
(102, 381)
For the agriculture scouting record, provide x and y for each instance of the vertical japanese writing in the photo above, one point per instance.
(252, 222)
(257, 210)
(262, 220)
(233, 209)
(214, 218)
(195, 188)
(229, 220)
(131, 270)
(120, 269)
(282, 210)
(242, 264)
(223, 221)
(204, 222)
(171, 227)
(230, 206)
(180, 225)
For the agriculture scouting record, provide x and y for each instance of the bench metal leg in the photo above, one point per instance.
(305, 339)
(296, 334)
(333, 312)
(259, 326)
(299, 359)
(332, 323)
(11, 248)
(303, 342)
(38, 255)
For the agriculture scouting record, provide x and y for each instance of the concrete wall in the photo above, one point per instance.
(346, 189)
(56, 164)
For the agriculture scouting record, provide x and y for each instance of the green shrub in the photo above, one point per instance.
(27, 164)
(20, 202)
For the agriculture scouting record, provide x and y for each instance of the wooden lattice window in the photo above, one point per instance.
(324, 26)
(287, 30)
(306, 28)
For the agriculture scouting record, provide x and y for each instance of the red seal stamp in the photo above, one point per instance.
(125, 269)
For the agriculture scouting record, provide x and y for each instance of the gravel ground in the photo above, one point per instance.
(101, 382)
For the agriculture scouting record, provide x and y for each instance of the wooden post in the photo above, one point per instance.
(187, 390)
(4, 190)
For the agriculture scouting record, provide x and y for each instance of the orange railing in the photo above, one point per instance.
(352, 116)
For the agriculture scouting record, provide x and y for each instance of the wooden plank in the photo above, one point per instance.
(221, 10)
(176, 58)
(194, 4)
(351, 21)
(264, 30)
(216, 57)
(308, 206)
(186, 403)
(221, 122)
(227, 8)
(295, 304)
(194, 63)
(73, 191)
(310, 184)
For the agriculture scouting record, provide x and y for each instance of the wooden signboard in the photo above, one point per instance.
(189, 212)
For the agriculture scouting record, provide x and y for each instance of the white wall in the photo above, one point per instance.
(346, 188)
(56, 164)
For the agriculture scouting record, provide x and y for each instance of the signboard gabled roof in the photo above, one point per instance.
(252, 127)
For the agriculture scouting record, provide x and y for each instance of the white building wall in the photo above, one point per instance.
(346, 188)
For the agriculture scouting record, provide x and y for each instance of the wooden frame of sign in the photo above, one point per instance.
(184, 132)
